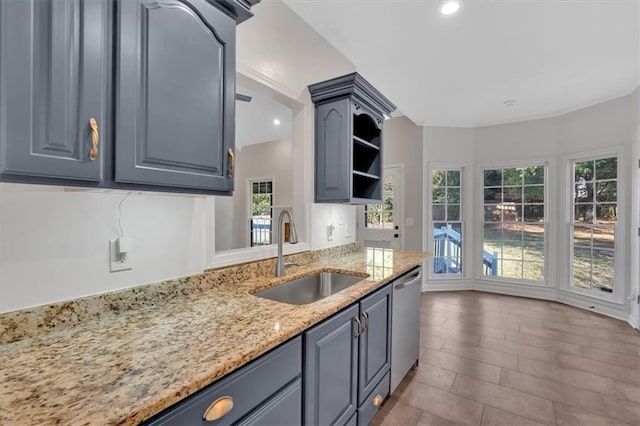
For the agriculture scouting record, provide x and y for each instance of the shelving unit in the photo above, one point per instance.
(349, 119)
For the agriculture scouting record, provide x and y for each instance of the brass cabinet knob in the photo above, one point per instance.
(377, 400)
(218, 408)
(95, 139)
(232, 162)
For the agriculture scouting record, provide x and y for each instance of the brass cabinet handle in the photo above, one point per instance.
(365, 315)
(232, 162)
(377, 400)
(95, 139)
(218, 408)
(359, 325)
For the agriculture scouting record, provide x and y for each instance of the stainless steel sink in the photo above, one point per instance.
(310, 289)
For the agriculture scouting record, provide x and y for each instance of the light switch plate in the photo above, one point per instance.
(410, 221)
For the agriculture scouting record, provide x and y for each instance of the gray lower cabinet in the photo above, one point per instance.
(53, 83)
(331, 370)
(347, 363)
(175, 89)
(266, 392)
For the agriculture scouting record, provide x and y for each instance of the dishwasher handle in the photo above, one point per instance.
(408, 281)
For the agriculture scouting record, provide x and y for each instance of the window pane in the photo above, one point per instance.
(439, 195)
(492, 214)
(534, 194)
(533, 271)
(533, 251)
(533, 175)
(511, 269)
(582, 267)
(607, 191)
(533, 233)
(603, 237)
(583, 213)
(492, 195)
(607, 168)
(453, 195)
(513, 194)
(512, 176)
(581, 236)
(492, 177)
(512, 232)
(534, 213)
(512, 212)
(606, 213)
(438, 177)
(453, 212)
(583, 170)
(492, 232)
(438, 213)
(603, 270)
(453, 178)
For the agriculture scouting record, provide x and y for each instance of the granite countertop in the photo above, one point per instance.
(126, 368)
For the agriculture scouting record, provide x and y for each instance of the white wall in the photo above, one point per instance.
(54, 242)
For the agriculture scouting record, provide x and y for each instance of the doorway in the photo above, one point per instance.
(382, 225)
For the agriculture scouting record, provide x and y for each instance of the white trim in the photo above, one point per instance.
(238, 256)
(517, 289)
(592, 304)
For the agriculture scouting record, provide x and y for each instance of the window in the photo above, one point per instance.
(593, 224)
(446, 221)
(261, 212)
(514, 223)
(380, 216)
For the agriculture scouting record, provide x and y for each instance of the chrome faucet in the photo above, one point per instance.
(293, 239)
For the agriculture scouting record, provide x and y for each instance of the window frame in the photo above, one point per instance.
(249, 206)
(619, 291)
(463, 168)
(480, 276)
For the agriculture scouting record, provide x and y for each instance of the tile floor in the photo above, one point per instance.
(489, 359)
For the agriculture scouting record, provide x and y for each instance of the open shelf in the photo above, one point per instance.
(366, 186)
(366, 160)
(361, 142)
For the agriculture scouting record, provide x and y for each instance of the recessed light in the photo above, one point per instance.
(276, 122)
(450, 7)
(509, 102)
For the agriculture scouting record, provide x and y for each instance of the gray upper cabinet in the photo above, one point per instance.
(53, 84)
(175, 88)
(348, 149)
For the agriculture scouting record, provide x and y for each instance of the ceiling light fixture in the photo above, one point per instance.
(276, 122)
(450, 7)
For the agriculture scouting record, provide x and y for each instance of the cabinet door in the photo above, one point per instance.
(284, 409)
(53, 80)
(330, 375)
(175, 87)
(375, 342)
(333, 151)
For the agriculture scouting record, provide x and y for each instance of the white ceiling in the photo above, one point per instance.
(254, 120)
(552, 56)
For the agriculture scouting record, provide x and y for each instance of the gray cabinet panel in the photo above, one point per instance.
(54, 71)
(333, 181)
(375, 342)
(284, 409)
(330, 375)
(175, 87)
(368, 408)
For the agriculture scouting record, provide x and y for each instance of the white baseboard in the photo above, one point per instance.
(609, 309)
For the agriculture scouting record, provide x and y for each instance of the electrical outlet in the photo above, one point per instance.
(330, 230)
(119, 261)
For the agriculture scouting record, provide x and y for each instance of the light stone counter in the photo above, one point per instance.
(153, 351)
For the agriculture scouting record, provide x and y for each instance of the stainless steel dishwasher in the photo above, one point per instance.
(405, 329)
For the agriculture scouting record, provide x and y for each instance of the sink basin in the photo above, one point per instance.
(310, 289)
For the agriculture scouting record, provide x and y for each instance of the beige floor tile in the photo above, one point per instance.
(567, 376)
(550, 344)
(469, 367)
(493, 329)
(434, 376)
(519, 349)
(396, 413)
(442, 404)
(631, 361)
(429, 419)
(623, 374)
(431, 341)
(496, 417)
(450, 334)
(489, 356)
(631, 337)
(571, 416)
(510, 400)
(628, 391)
(579, 330)
(607, 406)
(606, 344)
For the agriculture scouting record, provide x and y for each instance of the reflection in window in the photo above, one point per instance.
(261, 212)
(593, 224)
(380, 216)
(514, 223)
(446, 201)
